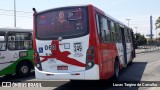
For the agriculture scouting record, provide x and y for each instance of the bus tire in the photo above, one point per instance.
(23, 69)
(116, 70)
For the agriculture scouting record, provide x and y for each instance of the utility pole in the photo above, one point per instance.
(14, 13)
(128, 21)
(151, 27)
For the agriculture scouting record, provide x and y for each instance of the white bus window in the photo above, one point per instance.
(2, 41)
(19, 41)
(1, 38)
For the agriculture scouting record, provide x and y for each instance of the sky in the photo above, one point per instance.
(139, 11)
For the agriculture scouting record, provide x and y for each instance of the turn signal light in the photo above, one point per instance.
(89, 52)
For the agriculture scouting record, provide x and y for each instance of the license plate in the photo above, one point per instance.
(62, 67)
(77, 47)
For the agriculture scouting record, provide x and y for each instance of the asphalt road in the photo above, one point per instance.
(145, 67)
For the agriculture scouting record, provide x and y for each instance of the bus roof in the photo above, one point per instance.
(79, 5)
(119, 22)
(15, 29)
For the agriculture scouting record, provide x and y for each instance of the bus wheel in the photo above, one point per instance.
(116, 70)
(23, 69)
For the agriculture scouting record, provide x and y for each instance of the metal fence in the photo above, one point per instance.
(147, 48)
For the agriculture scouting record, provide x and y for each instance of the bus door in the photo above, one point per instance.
(133, 45)
(124, 45)
(3, 54)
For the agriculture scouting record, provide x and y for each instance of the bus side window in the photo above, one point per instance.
(113, 32)
(106, 28)
(109, 30)
(129, 35)
(126, 35)
(19, 41)
(117, 33)
(102, 28)
(2, 41)
(98, 27)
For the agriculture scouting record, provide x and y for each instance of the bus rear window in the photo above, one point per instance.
(64, 22)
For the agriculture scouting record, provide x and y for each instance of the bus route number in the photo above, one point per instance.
(50, 47)
(77, 47)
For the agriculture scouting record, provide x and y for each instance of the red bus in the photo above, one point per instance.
(80, 43)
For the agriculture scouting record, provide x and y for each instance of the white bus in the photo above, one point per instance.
(16, 53)
(80, 42)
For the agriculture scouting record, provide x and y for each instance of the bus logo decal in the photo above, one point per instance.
(78, 49)
(50, 47)
(65, 57)
(15, 55)
(40, 49)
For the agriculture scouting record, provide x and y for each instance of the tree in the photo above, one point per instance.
(140, 39)
(157, 24)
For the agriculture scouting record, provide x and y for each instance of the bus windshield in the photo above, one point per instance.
(64, 22)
